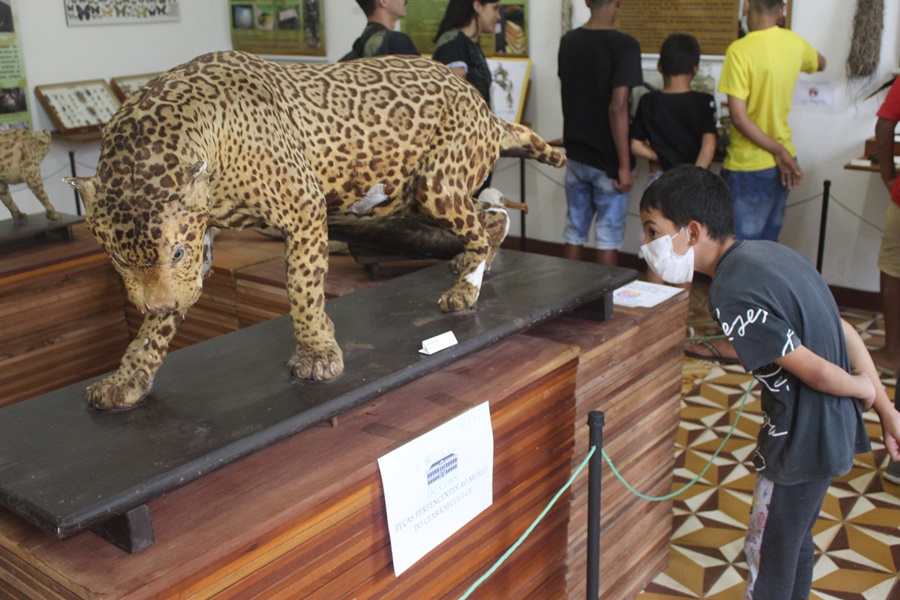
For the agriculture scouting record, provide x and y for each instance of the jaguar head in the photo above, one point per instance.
(154, 231)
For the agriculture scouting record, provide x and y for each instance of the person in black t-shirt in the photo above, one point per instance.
(676, 125)
(456, 42)
(379, 37)
(598, 66)
(815, 373)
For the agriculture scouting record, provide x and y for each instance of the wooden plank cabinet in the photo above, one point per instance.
(62, 315)
(305, 518)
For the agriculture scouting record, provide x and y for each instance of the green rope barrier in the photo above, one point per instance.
(528, 531)
(618, 475)
(702, 473)
(857, 215)
(804, 201)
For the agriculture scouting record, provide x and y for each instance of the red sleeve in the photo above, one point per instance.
(891, 108)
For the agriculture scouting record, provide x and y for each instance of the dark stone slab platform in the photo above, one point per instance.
(37, 225)
(65, 467)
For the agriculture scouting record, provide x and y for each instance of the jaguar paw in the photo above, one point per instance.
(462, 296)
(317, 364)
(118, 392)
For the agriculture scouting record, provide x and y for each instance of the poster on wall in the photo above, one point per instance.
(117, 12)
(288, 28)
(715, 23)
(423, 18)
(15, 112)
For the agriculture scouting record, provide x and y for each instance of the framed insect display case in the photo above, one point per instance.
(78, 107)
(126, 86)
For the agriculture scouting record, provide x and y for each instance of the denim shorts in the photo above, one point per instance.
(759, 203)
(591, 192)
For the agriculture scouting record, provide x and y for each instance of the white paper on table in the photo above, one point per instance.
(643, 294)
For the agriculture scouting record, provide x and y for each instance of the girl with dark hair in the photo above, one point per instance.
(457, 40)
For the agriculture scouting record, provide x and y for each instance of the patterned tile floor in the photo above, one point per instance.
(858, 533)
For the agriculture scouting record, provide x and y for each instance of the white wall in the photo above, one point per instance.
(826, 138)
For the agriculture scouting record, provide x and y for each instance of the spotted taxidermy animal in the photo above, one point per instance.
(21, 153)
(231, 140)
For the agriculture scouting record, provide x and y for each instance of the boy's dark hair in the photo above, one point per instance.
(368, 6)
(690, 193)
(679, 54)
(766, 6)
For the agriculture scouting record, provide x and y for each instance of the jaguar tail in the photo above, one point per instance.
(521, 142)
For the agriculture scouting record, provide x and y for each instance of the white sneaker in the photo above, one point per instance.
(892, 473)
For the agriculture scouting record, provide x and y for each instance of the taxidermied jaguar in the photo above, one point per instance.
(231, 140)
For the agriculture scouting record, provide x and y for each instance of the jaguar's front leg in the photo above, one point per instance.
(317, 356)
(133, 379)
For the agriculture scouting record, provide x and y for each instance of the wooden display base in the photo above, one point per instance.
(305, 518)
(37, 226)
(223, 399)
(62, 315)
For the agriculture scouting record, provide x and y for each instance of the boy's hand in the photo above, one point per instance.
(867, 388)
(791, 173)
(625, 181)
(890, 431)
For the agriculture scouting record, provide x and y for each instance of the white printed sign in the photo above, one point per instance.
(437, 483)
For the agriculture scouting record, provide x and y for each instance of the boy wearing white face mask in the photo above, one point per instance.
(783, 321)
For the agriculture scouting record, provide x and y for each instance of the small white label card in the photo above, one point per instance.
(437, 483)
(643, 294)
(438, 343)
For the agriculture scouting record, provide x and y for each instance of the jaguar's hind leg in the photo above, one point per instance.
(454, 209)
(495, 221)
(36, 185)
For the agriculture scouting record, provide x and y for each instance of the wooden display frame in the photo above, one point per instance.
(126, 86)
(78, 107)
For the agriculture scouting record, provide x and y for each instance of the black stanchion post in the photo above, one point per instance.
(77, 199)
(596, 420)
(822, 224)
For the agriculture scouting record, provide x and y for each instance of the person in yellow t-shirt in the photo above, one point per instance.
(758, 76)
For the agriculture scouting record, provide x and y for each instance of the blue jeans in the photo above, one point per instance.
(759, 203)
(591, 192)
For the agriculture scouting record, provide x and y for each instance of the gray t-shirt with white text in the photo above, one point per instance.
(769, 300)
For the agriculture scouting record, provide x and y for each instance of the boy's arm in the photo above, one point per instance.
(642, 149)
(618, 123)
(861, 362)
(827, 377)
(791, 173)
(884, 146)
(821, 60)
(707, 151)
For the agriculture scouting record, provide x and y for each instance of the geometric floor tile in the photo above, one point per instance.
(857, 536)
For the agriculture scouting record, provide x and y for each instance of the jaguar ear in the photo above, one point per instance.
(197, 186)
(86, 189)
(198, 170)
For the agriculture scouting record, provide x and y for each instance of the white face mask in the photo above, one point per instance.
(671, 267)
